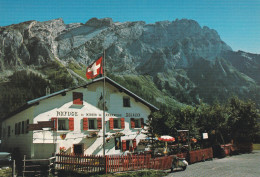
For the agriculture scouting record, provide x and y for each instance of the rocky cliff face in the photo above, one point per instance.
(29, 43)
(134, 44)
(141, 48)
(181, 56)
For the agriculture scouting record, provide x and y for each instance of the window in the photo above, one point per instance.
(17, 128)
(63, 124)
(91, 123)
(137, 123)
(9, 131)
(128, 145)
(126, 101)
(77, 98)
(78, 149)
(116, 123)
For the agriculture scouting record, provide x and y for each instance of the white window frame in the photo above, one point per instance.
(66, 124)
(95, 124)
(118, 123)
(138, 121)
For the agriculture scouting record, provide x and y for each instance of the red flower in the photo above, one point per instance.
(62, 149)
(194, 140)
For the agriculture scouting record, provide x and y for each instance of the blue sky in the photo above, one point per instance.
(236, 21)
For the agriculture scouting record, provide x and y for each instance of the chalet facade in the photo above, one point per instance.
(76, 117)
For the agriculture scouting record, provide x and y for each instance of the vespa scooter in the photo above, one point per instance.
(179, 163)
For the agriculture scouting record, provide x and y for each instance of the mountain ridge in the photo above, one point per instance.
(185, 61)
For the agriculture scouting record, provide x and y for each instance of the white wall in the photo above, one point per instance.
(58, 105)
(43, 150)
(21, 142)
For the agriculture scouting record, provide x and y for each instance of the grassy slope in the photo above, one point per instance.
(57, 77)
(25, 85)
(144, 87)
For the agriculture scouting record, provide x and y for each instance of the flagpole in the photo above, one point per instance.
(104, 111)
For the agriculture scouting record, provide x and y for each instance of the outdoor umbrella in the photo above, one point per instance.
(166, 138)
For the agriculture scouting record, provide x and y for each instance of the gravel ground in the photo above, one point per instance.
(244, 165)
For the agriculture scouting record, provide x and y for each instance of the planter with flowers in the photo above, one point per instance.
(117, 134)
(93, 135)
(62, 149)
(63, 136)
(108, 139)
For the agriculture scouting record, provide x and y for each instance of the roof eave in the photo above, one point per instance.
(37, 100)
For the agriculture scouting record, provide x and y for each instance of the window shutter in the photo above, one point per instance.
(132, 123)
(122, 123)
(111, 124)
(22, 127)
(134, 143)
(123, 145)
(85, 123)
(142, 122)
(71, 123)
(55, 120)
(78, 98)
(99, 123)
(27, 125)
(15, 131)
(19, 128)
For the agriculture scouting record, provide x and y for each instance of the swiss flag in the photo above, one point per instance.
(94, 69)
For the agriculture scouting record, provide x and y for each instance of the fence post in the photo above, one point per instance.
(13, 170)
(50, 167)
(54, 164)
(24, 157)
(106, 164)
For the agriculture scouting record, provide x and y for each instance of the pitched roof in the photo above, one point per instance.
(107, 79)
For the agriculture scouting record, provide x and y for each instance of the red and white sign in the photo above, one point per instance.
(94, 69)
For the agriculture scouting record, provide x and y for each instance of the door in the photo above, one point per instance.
(78, 149)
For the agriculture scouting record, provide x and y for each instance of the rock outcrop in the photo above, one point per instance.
(134, 44)
(194, 57)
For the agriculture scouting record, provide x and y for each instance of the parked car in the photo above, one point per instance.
(5, 158)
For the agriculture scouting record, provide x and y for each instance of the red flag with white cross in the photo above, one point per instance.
(94, 69)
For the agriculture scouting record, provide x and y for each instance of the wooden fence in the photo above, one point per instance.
(117, 163)
(37, 167)
(111, 163)
(200, 155)
(86, 163)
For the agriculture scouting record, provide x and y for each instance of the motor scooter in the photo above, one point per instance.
(179, 163)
